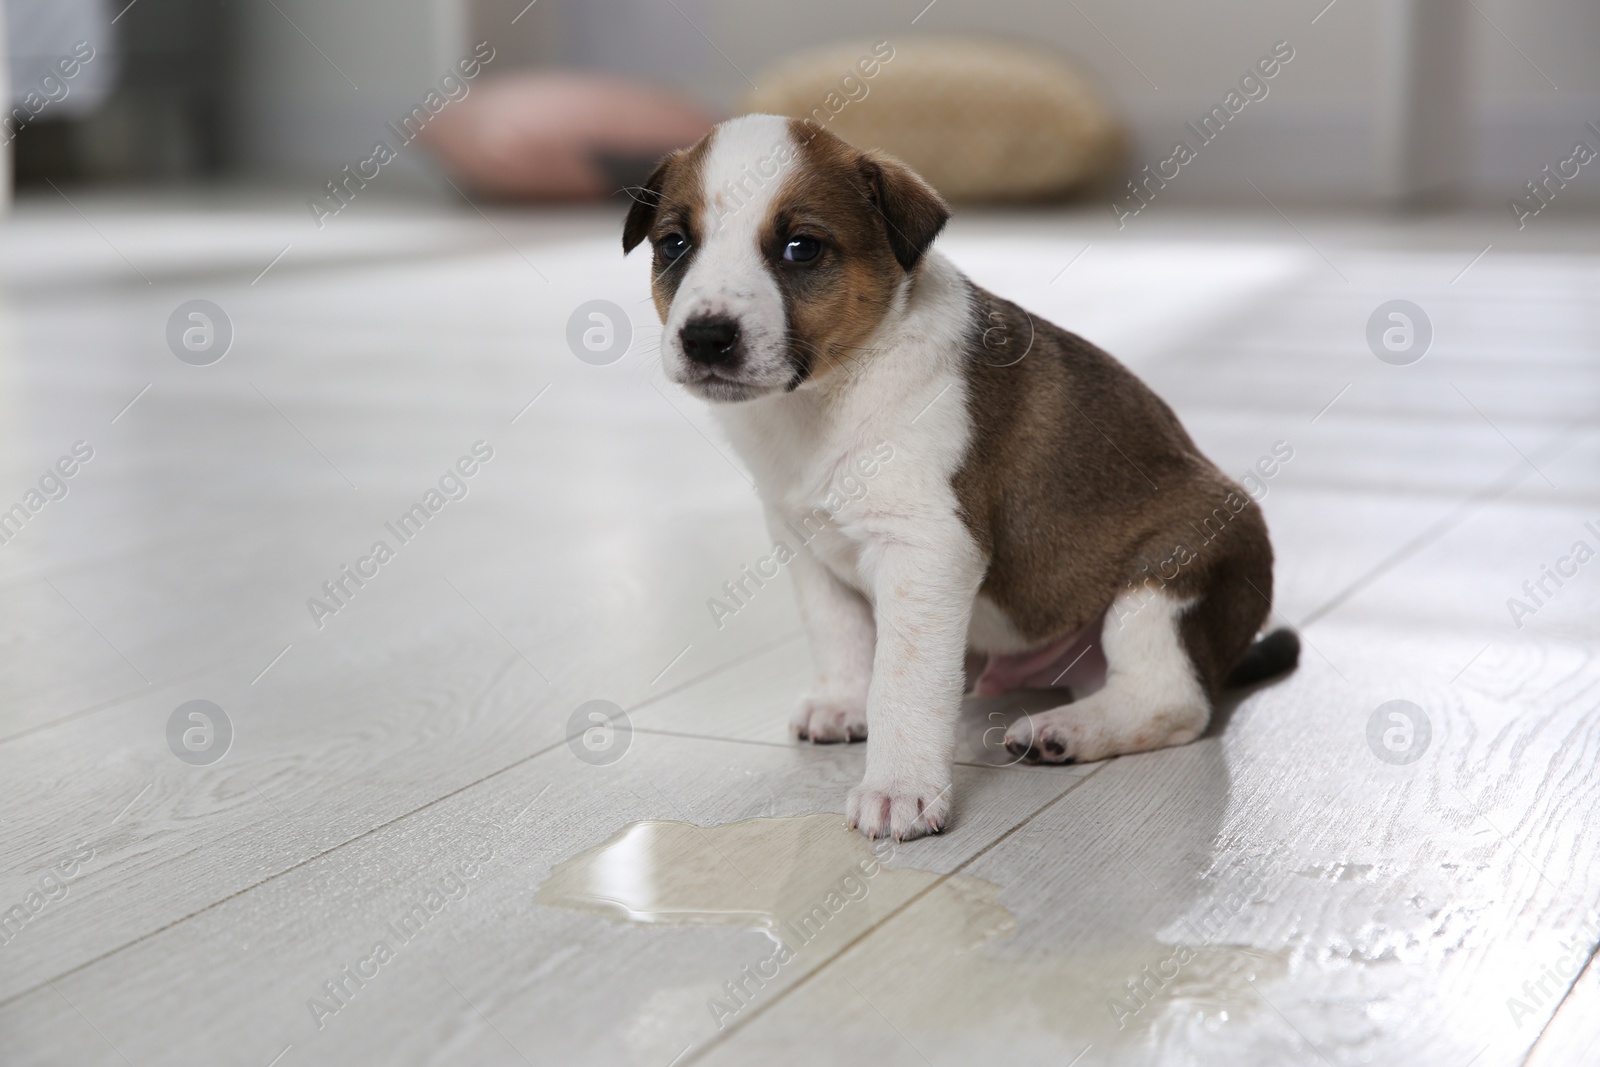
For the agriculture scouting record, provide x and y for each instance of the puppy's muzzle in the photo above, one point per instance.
(711, 340)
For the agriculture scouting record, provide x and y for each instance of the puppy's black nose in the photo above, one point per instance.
(709, 339)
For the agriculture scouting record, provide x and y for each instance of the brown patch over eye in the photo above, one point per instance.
(667, 209)
(830, 250)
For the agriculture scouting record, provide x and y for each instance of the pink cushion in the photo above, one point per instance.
(561, 136)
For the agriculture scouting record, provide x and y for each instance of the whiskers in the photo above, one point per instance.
(641, 194)
(854, 355)
(647, 369)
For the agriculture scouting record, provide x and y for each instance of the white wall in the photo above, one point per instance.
(1311, 139)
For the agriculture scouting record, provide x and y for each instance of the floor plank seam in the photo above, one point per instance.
(273, 877)
(737, 661)
(1572, 988)
(221, 664)
(387, 823)
(846, 747)
(1515, 475)
(709, 737)
(94, 709)
(941, 880)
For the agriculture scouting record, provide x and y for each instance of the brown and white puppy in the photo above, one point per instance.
(1040, 500)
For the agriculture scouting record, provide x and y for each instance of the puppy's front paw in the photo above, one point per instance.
(829, 719)
(902, 810)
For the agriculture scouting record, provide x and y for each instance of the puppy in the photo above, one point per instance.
(1029, 500)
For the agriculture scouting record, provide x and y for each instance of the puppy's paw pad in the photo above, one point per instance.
(902, 811)
(1093, 730)
(1045, 739)
(828, 720)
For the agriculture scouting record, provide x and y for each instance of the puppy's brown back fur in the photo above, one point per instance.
(1080, 483)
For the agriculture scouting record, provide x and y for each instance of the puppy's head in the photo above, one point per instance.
(779, 249)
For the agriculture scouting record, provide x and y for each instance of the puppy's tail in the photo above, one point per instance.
(1275, 654)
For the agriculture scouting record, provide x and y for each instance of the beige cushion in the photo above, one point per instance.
(980, 120)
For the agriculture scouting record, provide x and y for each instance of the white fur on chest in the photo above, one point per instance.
(873, 447)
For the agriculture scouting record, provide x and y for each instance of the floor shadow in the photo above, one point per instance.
(1228, 703)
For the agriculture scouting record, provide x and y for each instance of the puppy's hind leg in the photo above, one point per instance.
(1153, 696)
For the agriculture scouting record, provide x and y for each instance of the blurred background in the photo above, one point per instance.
(1385, 101)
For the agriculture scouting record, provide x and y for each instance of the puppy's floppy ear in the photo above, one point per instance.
(646, 198)
(913, 213)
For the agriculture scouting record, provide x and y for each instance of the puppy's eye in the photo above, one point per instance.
(672, 246)
(801, 249)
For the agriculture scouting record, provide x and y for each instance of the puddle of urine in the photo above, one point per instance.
(769, 875)
(947, 965)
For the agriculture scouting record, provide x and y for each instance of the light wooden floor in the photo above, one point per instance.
(1338, 908)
